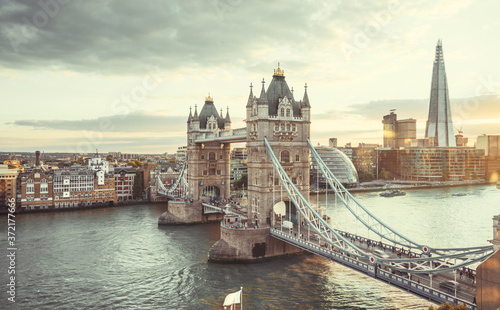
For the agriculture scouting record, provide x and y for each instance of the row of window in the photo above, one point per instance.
(211, 156)
(87, 195)
(211, 172)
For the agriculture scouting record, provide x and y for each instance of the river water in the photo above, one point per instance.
(119, 258)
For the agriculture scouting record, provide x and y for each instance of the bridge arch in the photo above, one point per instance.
(211, 192)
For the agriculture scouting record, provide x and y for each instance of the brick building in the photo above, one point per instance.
(36, 188)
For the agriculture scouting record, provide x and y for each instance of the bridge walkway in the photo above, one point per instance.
(417, 284)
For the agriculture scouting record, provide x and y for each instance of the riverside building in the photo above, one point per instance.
(36, 188)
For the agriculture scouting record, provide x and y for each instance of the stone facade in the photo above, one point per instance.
(285, 122)
(208, 163)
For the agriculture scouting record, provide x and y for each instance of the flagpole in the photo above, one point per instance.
(241, 298)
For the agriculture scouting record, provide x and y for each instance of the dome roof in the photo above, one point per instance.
(338, 163)
(209, 110)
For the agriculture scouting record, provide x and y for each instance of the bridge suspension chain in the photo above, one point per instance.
(313, 219)
(171, 192)
(359, 211)
(440, 261)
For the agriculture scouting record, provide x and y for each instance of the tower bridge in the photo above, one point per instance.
(277, 137)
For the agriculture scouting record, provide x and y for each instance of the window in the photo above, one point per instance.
(218, 172)
(205, 172)
(221, 156)
(276, 127)
(285, 156)
(202, 156)
(211, 156)
(44, 187)
(287, 127)
(282, 112)
(287, 112)
(282, 127)
(297, 157)
(211, 171)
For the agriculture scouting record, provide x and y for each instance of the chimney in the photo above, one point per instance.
(37, 160)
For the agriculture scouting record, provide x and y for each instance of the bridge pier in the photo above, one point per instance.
(488, 275)
(248, 244)
(182, 212)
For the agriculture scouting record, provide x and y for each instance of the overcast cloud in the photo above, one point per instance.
(64, 62)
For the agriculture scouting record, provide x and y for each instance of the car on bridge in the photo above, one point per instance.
(381, 253)
(449, 285)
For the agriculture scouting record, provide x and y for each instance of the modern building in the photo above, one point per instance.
(439, 127)
(36, 188)
(338, 163)
(8, 179)
(442, 164)
(124, 183)
(239, 161)
(491, 146)
(399, 133)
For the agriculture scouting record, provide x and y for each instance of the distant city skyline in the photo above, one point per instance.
(121, 76)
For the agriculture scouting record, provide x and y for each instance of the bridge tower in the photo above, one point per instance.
(208, 170)
(276, 115)
(285, 122)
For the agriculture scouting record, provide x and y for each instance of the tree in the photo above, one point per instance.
(241, 182)
(365, 177)
(383, 175)
(447, 306)
(135, 163)
(137, 189)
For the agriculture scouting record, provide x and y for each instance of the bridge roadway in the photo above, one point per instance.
(417, 284)
(226, 208)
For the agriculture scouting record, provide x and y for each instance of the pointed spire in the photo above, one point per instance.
(190, 117)
(305, 100)
(263, 91)
(195, 117)
(250, 97)
(227, 119)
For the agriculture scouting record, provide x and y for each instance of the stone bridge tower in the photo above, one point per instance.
(285, 122)
(208, 169)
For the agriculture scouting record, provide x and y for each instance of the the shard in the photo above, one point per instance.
(439, 128)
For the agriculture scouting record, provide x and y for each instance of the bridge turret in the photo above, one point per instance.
(305, 106)
(195, 121)
(227, 120)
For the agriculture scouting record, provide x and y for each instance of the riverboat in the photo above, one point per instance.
(392, 193)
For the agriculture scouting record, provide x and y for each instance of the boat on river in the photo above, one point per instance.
(392, 193)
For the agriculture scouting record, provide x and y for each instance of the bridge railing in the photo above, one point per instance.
(370, 269)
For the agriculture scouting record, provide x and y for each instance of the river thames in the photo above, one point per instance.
(119, 258)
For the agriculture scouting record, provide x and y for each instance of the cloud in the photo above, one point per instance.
(121, 37)
(133, 122)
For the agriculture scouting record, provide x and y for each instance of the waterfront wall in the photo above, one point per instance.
(180, 212)
(248, 244)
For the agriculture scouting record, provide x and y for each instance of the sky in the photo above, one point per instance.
(78, 75)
